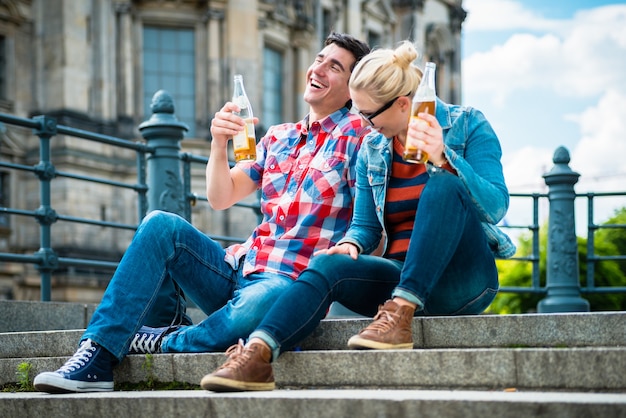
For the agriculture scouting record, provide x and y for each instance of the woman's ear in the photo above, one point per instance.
(405, 103)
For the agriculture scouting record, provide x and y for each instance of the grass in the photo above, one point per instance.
(24, 382)
(128, 387)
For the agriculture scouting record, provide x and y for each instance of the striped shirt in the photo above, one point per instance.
(306, 177)
(403, 192)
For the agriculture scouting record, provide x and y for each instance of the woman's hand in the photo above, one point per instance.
(345, 248)
(426, 134)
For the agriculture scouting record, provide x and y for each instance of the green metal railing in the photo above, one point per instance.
(592, 259)
(160, 185)
(164, 180)
(562, 289)
(46, 258)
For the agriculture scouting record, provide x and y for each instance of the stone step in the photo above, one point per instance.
(598, 369)
(18, 316)
(599, 329)
(551, 365)
(318, 403)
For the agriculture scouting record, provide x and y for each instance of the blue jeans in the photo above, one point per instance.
(168, 250)
(449, 270)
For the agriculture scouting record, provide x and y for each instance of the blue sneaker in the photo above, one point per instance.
(148, 340)
(89, 370)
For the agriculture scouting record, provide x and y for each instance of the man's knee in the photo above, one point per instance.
(161, 218)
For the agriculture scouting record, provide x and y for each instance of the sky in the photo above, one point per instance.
(551, 73)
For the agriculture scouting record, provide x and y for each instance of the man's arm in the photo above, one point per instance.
(225, 186)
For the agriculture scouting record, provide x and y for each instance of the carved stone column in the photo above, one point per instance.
(563, 287)
(163, 131)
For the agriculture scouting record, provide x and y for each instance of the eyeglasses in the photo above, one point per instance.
(369, 116)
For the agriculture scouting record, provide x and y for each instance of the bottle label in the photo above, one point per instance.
(245, 140)
(240, 141)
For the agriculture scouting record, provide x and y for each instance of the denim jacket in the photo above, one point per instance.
(473, 150)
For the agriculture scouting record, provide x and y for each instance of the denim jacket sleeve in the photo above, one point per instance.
(372, 172)
(473, 149)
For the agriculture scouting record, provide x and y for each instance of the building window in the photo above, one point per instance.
(169, 64)
(3, 68)
(373, 39)
(272, 87)
(327, 24)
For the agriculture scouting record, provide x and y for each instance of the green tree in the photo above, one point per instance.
(607, 273)
(615, 234)
(609, 241)
(518, 273)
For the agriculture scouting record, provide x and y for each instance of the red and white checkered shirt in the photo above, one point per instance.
(307, 180)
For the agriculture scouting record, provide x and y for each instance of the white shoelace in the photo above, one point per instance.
(80, 358)
(147, 343)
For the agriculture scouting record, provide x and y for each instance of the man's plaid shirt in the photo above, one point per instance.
(307, 180)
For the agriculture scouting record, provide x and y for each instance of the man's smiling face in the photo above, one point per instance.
(327, 80)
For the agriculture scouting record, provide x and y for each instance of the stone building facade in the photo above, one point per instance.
(96, 64)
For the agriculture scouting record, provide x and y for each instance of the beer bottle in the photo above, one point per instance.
(423, 102)
(244, 143)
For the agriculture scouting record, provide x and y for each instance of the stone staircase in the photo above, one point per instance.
(539, 365)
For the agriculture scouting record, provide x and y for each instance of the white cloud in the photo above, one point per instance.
(523, 169)
(523, 173)
(578, 58)
(581, 59)
(524, 62)
(494, 15)
(599, 155)
(594, 52)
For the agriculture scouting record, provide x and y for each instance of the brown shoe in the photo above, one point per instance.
(247, 368)
(391, 329)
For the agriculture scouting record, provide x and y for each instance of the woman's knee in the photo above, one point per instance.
(444, 190)
(445, 182)
(326, 267)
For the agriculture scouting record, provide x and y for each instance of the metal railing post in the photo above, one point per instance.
(563, 282)
(45, 214)
(163, 132)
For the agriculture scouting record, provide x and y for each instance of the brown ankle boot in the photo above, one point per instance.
(247, 368)
(391, 329)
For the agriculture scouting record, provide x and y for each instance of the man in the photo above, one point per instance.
(306, 173)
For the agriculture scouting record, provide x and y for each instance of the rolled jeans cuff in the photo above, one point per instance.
(269, 340)
(404, 294)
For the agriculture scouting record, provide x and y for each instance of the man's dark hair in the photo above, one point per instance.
(348, 42)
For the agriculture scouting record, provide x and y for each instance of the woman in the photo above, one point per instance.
(438, 221)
